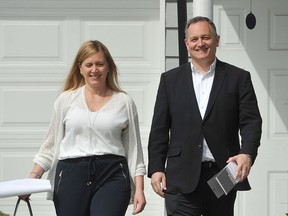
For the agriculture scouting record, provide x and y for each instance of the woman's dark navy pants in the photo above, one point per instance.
(92, 186)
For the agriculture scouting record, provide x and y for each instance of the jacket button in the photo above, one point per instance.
(199, 146)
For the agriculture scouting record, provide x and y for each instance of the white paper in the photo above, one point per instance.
(23, 186)
(224, 181)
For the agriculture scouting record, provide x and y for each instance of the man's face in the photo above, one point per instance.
(201, 42)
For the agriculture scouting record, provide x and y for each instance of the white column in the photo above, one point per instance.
(203, 8)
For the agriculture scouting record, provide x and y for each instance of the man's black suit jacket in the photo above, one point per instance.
(177, 131)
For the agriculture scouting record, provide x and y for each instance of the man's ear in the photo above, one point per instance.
(218, 40)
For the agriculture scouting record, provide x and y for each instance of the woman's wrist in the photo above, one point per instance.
(139, 183)
(35, 175)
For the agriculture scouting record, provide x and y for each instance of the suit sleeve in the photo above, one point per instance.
(250, 120)
(159, 134)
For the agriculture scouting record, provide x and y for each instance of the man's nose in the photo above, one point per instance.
(200, 42)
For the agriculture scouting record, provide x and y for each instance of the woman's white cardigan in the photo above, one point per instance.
(47, 157)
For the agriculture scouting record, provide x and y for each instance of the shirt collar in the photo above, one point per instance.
(211, 70)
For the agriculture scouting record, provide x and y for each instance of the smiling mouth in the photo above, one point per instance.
(96, 74)
(202, 50)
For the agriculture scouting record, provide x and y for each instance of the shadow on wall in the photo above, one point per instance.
(266, 53)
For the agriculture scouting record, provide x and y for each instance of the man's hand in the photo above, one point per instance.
(158, 182)
(244, 163)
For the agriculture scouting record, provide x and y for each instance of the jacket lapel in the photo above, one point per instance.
(219, 77)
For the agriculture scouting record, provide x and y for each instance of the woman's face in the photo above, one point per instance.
(94, 69)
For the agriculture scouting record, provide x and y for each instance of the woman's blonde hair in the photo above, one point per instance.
(75, 80)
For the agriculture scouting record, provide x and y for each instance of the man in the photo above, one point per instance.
(200, 109)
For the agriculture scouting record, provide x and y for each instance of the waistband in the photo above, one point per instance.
(92, 164)
(90, 158)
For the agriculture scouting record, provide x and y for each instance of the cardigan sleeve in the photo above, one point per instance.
(132, 141)
(45, 155)
(50, 144)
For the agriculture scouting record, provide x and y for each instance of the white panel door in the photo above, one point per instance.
(264, 52)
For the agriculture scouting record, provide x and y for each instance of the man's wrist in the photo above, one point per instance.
(250, 156)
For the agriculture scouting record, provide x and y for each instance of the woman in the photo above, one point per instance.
(93, 142)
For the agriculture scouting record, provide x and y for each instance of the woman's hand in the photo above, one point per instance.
(139, 202)
(36, 173)
(139, 197)
(25, 197)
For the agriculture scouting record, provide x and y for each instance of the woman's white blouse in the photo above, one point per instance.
(94, 133)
